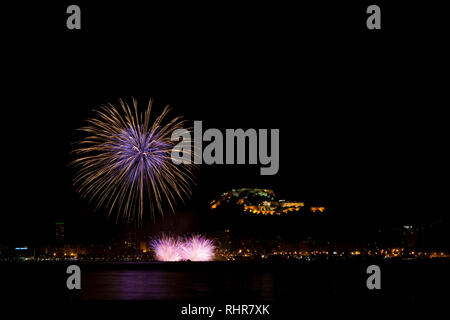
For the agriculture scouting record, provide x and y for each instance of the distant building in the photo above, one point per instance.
(59, 233)
(289, 206)
(131, 240)
(143, 246)
(319, 209)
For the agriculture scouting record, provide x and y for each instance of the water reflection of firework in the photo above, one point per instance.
(125, 162)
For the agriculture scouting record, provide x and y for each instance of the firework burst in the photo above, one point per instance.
(197, 248)
(167, 248)
(125, 163)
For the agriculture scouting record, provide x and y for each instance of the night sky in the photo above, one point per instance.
(361, 114)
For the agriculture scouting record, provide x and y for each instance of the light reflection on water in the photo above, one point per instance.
(174, 285)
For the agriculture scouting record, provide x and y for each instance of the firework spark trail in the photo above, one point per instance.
(167, 248)
(197, 248)
(125, 162)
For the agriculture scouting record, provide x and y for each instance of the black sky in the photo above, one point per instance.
(360, 113)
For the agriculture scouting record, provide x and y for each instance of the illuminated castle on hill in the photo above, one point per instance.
(262, 202)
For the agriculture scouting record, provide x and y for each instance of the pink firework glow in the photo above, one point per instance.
(167, 248)
(197, 248)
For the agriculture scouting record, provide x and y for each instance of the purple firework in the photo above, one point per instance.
(125, 161)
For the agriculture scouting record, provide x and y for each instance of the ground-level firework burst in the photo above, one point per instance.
(193, 248)
(167, 248)
(125, 163)
(197, 248)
